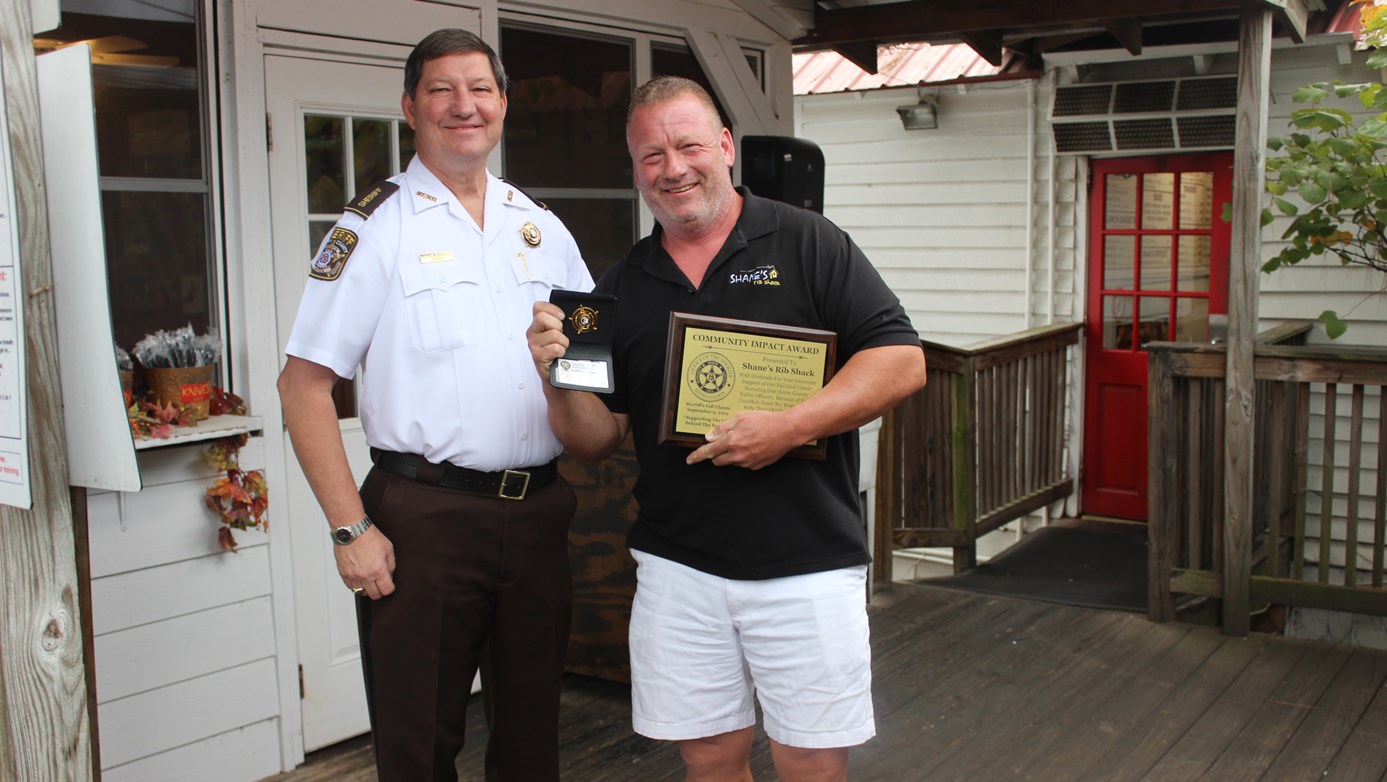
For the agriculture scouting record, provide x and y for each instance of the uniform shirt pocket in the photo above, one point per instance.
(443, 301)
(537, 270)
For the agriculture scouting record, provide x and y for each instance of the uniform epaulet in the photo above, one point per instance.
(527, 195)
(370, 200)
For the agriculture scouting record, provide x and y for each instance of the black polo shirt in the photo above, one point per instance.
(783, 265)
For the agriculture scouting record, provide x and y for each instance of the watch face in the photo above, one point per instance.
(343, 534)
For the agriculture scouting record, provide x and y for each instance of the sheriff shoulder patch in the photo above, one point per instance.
(333, 258)
(372, 198)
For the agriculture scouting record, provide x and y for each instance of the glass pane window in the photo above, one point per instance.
(566, 119)
(157, 268)
(1119, 262)
(1153, 321)
(1155, 263)
(1196, 200)
(153, 150)
(1157, 202)
(1191, 320)
(1117, 322)
(1120, 206)
(602, 227)
(1196, 255)
(376, 148)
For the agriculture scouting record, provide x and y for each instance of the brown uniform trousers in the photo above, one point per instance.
(479, 581)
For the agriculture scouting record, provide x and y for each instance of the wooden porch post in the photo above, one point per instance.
(1254, 68)
(45, 729)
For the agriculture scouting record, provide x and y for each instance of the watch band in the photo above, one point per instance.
(344, 535)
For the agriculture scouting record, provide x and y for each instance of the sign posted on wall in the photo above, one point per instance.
(14, 450)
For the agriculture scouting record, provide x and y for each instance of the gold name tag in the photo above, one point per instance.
(435, 257)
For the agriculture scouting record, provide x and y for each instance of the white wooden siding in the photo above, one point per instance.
(941, 213)
(184, 633)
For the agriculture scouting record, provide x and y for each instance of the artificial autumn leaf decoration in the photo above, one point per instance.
(240, 499)
(149, 419)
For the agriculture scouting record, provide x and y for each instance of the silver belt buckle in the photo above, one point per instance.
(506, 476)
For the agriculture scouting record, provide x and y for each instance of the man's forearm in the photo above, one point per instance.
(587, 429)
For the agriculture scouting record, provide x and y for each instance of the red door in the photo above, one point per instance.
(1158, 269)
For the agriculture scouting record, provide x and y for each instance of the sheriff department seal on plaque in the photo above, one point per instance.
(711, 377)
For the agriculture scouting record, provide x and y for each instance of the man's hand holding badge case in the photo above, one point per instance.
(588, 322)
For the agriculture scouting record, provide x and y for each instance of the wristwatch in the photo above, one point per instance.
(344, 535)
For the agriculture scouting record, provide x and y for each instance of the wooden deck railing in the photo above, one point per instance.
(1312, 542)
(980, 445)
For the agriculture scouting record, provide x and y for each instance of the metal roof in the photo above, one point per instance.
(901, 65)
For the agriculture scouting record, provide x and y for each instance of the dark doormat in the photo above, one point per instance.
(1088, 564)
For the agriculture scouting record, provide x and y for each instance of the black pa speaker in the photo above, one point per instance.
(785, 169)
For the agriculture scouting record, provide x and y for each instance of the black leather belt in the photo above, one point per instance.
(506, 484)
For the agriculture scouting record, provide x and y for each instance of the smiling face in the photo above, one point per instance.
(456, 112)
(682, 156)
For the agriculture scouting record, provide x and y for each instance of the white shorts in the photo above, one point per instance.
(702, 646)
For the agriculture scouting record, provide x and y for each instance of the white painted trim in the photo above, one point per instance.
(44, 15)
(1079, 304)
(750, 113)
(249, 240)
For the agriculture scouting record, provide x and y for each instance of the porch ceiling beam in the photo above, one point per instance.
(1127, 32)
(923, 20)
(987, 44)
(776, 17)
(1291, 14)
(863, 55)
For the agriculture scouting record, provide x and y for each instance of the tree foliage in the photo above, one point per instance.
(1336, 164)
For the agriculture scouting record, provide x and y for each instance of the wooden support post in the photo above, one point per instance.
(965, 437)
(1254, 68)
(45, 729)
(1163, 495)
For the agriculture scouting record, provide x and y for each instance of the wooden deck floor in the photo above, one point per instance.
(974, 687)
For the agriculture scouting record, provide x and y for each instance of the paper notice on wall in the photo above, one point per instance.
(14, 450)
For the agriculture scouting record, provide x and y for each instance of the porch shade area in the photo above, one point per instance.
(975, 687)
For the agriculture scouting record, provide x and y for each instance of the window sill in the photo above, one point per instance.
(207, 429)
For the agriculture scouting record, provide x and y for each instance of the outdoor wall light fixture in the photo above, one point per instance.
(923, 115)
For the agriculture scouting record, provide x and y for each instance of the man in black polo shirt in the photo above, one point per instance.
(751, 567)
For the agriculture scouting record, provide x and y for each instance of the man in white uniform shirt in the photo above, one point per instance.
(456, 542)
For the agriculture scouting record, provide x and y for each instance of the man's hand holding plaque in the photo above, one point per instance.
(588, 321)
(717, 368)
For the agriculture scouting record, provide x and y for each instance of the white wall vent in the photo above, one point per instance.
(1133, 117)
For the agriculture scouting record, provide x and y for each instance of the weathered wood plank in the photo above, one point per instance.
(1154, 732)
(45, 728)
(1363, 755)
(1131, 698)
(1162, 489)
(1244, 270)
(1330, 721)
(966, 685)
(1278, 718)
(1216, 728)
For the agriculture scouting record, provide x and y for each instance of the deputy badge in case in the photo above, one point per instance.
(588, 321)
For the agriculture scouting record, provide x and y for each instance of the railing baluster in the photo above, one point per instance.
(1302, 479)
(1196, 457)
(1355, 461)
(1331, 392)
(1380, 497)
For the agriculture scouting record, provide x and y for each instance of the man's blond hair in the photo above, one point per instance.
(666, 88)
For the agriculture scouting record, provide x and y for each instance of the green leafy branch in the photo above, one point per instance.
(1337, 166)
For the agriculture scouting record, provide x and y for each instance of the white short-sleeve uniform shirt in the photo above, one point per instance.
(435, 310)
